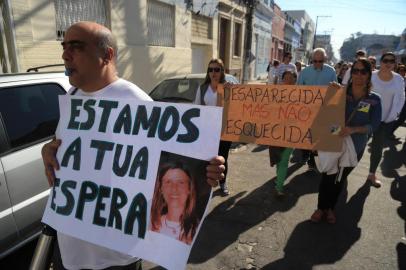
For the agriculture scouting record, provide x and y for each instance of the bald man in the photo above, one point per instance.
(90, 54)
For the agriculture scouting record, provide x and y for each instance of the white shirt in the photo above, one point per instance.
(392, 95)
(170, 228)
(210, 98)
(79, 254)
(271, 74)
(347, 76)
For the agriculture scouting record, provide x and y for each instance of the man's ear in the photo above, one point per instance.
(109, 55)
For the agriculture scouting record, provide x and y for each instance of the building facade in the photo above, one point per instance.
(307, 34)
(261, 41)
(156, 39)
(324, 41)
(231, 32)
(278, 33)
(292, 35)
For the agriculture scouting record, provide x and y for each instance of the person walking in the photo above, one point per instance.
(206, 94)
(318, 73)
(90, 55)
(391, 87)
(279, 156)
(285, 65)
(362, 115)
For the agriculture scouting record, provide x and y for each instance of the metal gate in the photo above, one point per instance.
(68, 12)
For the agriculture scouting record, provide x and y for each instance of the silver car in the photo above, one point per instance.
(182, 89)
(29, 114)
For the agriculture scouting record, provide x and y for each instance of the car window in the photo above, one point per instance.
(30, 113)
(232, 79)
(176, 89)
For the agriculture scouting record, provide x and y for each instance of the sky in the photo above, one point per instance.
(351, 16)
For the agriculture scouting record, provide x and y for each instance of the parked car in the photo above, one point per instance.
(29, 114)
(182, 89)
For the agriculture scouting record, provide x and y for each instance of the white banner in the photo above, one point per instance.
(133, 175)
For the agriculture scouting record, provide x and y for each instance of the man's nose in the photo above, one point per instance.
(66, 55)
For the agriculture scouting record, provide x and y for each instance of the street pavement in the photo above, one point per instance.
(252, 229)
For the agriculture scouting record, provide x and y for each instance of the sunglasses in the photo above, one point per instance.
(358, 71)
(386, 61)
(318, 61)
(214, 69)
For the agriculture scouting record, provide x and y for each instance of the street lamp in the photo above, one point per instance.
(315, 30)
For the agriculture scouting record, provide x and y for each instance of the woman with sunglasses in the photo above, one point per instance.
(363, 115)
(207, 95)
(390, 86)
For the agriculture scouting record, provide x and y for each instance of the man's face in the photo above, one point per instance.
(318, 60)
(82, 58)
(287, 58)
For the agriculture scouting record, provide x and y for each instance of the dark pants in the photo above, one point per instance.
(57, 262)
(378, 139)
(330, 189)
(401, 119)
(224, 148)
(308, 156)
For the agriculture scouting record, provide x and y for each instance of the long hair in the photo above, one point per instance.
(367, 65)
(222, 76)
(188, 220)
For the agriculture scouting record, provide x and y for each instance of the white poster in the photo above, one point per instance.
(132, 175)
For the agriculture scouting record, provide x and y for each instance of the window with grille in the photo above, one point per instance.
(68, 12)
(237, 39)
(161, 24)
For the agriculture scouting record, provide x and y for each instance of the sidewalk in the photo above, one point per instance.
(251, 229)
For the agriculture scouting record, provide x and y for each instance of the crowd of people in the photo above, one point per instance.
(374, 108)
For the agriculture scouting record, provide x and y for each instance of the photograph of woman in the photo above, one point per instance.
(177, 206)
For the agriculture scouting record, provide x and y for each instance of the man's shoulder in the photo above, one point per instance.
(125, 89)
(329, 68)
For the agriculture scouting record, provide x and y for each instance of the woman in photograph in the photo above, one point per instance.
(207, 95)
(173, 210)
(362, 117)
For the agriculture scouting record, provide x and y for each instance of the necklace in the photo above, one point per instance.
(172, 228)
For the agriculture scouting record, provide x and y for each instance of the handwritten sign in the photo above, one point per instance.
(296, 116)
(126, 168)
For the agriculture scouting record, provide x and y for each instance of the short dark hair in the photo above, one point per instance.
(388, 53)
(294, 74)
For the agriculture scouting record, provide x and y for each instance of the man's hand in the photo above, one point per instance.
(214, 171)
(49, 158)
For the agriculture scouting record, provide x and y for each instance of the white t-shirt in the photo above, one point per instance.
(271, 74)
(282, 68)
(347, 76)
(392, 95)
(79, 254)
(210, 98)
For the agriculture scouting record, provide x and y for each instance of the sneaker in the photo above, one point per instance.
(373, 181)
(331, 217)
(317, 216)
(224, 189)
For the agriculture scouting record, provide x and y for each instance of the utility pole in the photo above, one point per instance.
(315, 30)
(250, 4)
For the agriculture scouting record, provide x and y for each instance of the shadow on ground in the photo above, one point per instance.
(394, 159)
(314, 244)
(240, 212)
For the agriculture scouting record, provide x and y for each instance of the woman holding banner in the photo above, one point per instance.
(280, 155)
(173, 211)
(207, 95)
(363, 115)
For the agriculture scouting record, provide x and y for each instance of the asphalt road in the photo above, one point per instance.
(252, 229)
